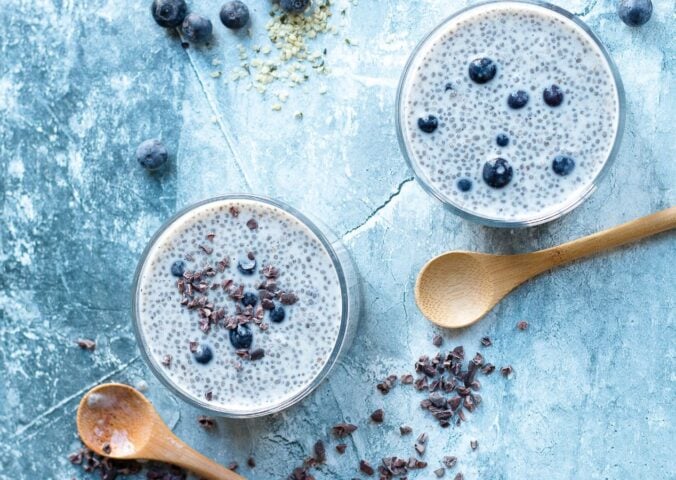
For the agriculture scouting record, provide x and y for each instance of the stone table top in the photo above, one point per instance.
(82, 83)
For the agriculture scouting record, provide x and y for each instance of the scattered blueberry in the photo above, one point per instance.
(429, 124)
(635, 12)
(294, 6)
(246, 265)
(203, 354)
(517, 99)
(151, 154)
(234, 14)
(482, 70)
(277, 314)
(553, 96)
(497, 173)
(563, 165)
(241, 337)
(464, 185)
(196, 28)
(249, 298)
(169, 13)
(178, 268)
(502, 140)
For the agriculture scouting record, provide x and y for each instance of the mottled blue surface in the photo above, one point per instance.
(82, 82)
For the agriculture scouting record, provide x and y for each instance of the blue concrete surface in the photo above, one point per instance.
(83, 82)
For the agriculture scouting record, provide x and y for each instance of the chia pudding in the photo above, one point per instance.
(242, 306)
(509, 112)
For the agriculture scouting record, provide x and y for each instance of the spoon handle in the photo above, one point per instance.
(166, 447)
(613, 237)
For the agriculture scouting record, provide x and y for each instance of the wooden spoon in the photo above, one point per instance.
(456, 289)
(117, 421)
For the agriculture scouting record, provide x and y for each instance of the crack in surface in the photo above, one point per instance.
(378, 209)
(219, 118)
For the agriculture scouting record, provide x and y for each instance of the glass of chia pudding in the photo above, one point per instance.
(242, 305)
(510, 112)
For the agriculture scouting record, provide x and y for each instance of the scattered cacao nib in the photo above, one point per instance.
(300, 473)
(486, 342)
(257, 354)
(211, 236)
(341, 430)
(449, 461)
(76, 457)
(269, 271)
(233, 466)
(209, 395)
(234, 211)
(193, 346)
(439, 472)
(206, 423)
(420, 448)
(251, 256)
(341, 447)
(405, 430)
(287, 298)
(488, 368)
(106, 448)
(478, 359)
(506, 371)
(320, 451)
(251, 463)
(252, 224)
(459, 476)
(474, 444)
(522, 325)
(407, 379)
(86, 344)
(207, 249)
(366, 467)
(437, 340)
(378, 416)
(386, 385)
(170, 473)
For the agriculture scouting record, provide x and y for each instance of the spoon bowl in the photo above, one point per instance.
(456, 289)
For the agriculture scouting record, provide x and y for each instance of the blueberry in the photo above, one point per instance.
(294, 6)
(635, 12)
(429, 124)
(246, 265)
(277, 314)
(250, 298)
(464, 185)
(502, 140)
(517, 99)
(241, 337)
(553, 96)
(234, 14)
(197, 28)
(563, 165)
(482, 70)
(151, 154)
(169, 13)
(497, 173)
(178, 268)
(203, 354)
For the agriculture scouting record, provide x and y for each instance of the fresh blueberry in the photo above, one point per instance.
(197, 28)
(169, 13)
(482, 70)
(151, 154)
(517, 99)
(563, 165)
(241, 337)
(429, 124)
(502, 140)
(246, 265)
(203, 354)
(497, 173)
(234, 14)
(277, 314)
(249, 298)
(294, 6)
(464, 185)
(178, 268)
(553, 96)
(635, 12)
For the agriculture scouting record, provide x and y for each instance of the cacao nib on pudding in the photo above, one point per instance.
(255, 313)
(529, 122)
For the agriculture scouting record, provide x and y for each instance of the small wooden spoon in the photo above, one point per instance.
(456, 289)
(117, 421)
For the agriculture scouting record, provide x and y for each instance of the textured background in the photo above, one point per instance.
(83, 82)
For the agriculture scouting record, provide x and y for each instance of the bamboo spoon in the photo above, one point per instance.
(117, 421)
(456, 289)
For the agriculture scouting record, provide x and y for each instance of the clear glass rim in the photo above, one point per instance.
(159, 372)
(492, 221)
